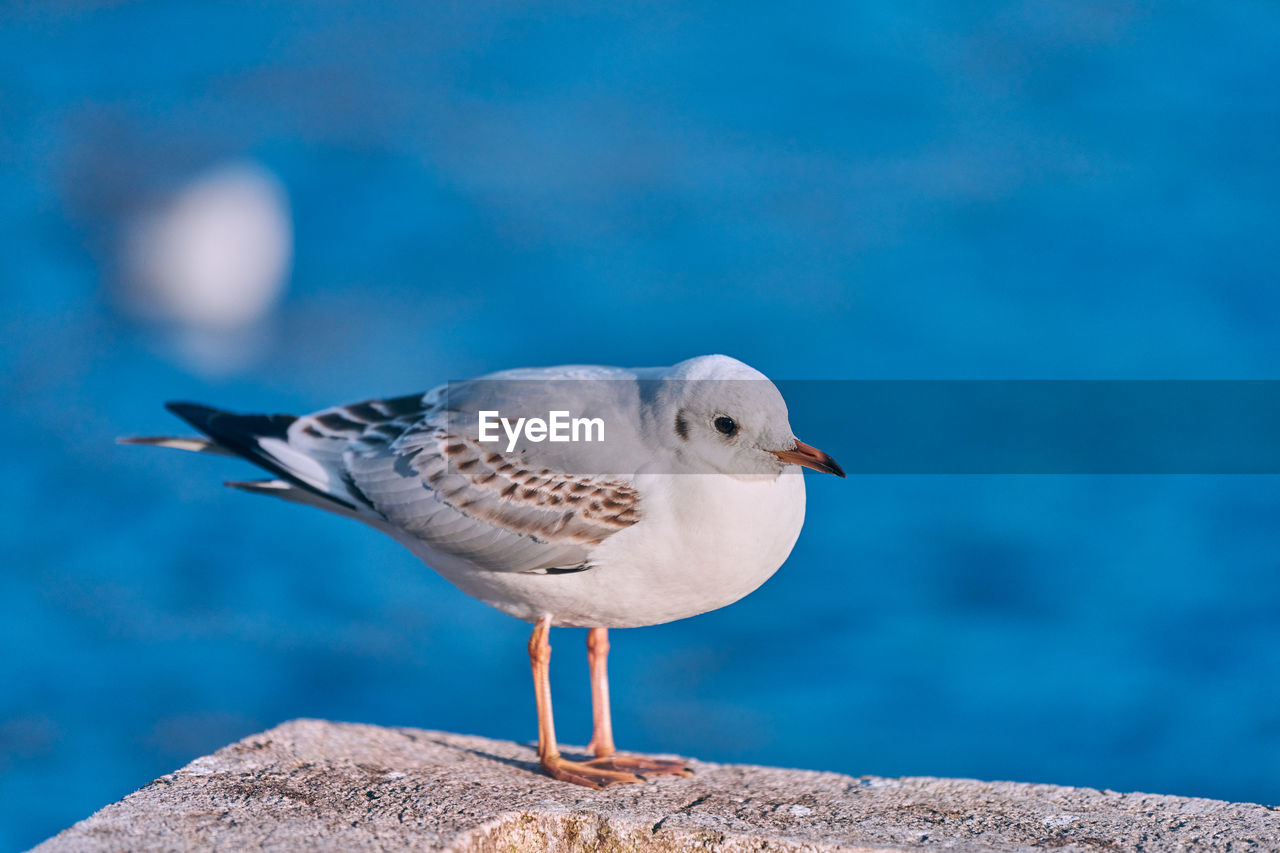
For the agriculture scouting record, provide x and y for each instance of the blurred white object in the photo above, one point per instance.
(215, 257)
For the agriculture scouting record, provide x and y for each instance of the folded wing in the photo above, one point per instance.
(400, 465)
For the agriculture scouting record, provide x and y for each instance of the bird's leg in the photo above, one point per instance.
(601, 725)
(606, 756)
(540, 659)
(548, 753)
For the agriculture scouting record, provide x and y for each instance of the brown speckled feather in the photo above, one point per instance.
(398, 459)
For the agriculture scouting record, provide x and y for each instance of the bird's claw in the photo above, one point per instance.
(642, 765)
(614, 769)
(586, 773)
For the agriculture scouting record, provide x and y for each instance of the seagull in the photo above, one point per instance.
(687, 498)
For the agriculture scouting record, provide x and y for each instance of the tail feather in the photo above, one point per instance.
(195, 445)
(264, 441)
(286, 491)
(261, 487)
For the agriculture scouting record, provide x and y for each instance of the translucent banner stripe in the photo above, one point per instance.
(878, 427)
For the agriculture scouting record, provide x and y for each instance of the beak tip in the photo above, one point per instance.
(833, 467)
(811, 457)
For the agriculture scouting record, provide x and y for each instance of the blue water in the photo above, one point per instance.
(887, 190)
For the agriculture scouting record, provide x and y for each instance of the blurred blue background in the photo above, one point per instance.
(875, 190)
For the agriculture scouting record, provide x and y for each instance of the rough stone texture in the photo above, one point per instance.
(313, 785)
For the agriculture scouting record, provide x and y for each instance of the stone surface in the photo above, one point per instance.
(313, 785)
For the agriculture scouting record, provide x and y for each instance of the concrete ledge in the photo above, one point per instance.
(313, 785)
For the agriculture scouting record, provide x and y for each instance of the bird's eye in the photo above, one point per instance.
(726, 425)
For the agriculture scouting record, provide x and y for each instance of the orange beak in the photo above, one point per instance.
(809, 457)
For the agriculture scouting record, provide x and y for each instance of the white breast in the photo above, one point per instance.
(704, 542)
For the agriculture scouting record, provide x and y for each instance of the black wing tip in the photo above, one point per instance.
(196, 414)
(220, 424)
(241, 435)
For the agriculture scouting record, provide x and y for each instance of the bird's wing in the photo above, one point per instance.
(415, 463)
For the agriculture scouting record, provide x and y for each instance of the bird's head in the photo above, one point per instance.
(727, 417)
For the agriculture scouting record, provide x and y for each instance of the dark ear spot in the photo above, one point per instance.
(682, 425)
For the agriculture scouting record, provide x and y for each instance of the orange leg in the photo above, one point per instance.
(602, 726)
(548, 753)
(606, 756)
